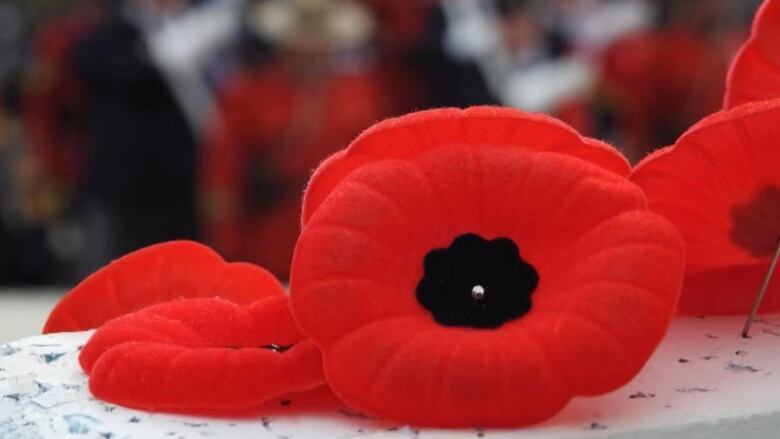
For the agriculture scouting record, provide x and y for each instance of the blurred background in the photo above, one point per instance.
(128, 122)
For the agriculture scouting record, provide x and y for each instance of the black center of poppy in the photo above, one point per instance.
(756, 223)
(477, 283)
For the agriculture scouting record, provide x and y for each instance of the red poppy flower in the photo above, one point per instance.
(480, 267)
(202, 356)
(156, 274)
(755, 72)
(221, 352)
(720, 186)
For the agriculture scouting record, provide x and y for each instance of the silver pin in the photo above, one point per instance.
(761, 292)
(478, 292)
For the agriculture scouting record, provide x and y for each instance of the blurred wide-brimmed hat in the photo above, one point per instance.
(336, 24)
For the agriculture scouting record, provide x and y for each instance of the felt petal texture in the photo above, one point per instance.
(202, 356)
(755, 72)
(720, 186)
(413, 134)
(609, 278)
(157, 274)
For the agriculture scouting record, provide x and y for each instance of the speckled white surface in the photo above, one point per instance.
(704, 382)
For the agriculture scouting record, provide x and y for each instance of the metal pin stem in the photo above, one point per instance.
(760, 296)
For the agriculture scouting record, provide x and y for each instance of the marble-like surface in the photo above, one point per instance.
(703, 382)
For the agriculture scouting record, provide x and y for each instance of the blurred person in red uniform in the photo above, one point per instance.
(401, 29)
(659, 82)
(41, 131)
(319, 90)
(26, 256)
(53, 101)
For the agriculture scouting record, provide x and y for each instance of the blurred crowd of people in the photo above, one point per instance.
(129, 122)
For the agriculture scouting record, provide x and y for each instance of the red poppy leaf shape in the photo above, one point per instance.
(720, 186)
(201, 356)
(490, 225)
(413, 134)
(157, 274)
(755, 71)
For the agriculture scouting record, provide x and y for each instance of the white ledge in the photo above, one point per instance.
(703, 382)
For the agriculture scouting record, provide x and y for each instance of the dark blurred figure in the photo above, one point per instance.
(320, 89)
(525, 35)
(659, 82)
(450, 80)
(140, 152)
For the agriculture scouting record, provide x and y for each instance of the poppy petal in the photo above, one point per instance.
(416, 374)
(201, 356)
(156, 274)
(585, 230)
(755, 72)
(410, 135)
(720, 186)
(597, 313)
(198, 323)
(208, 381)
